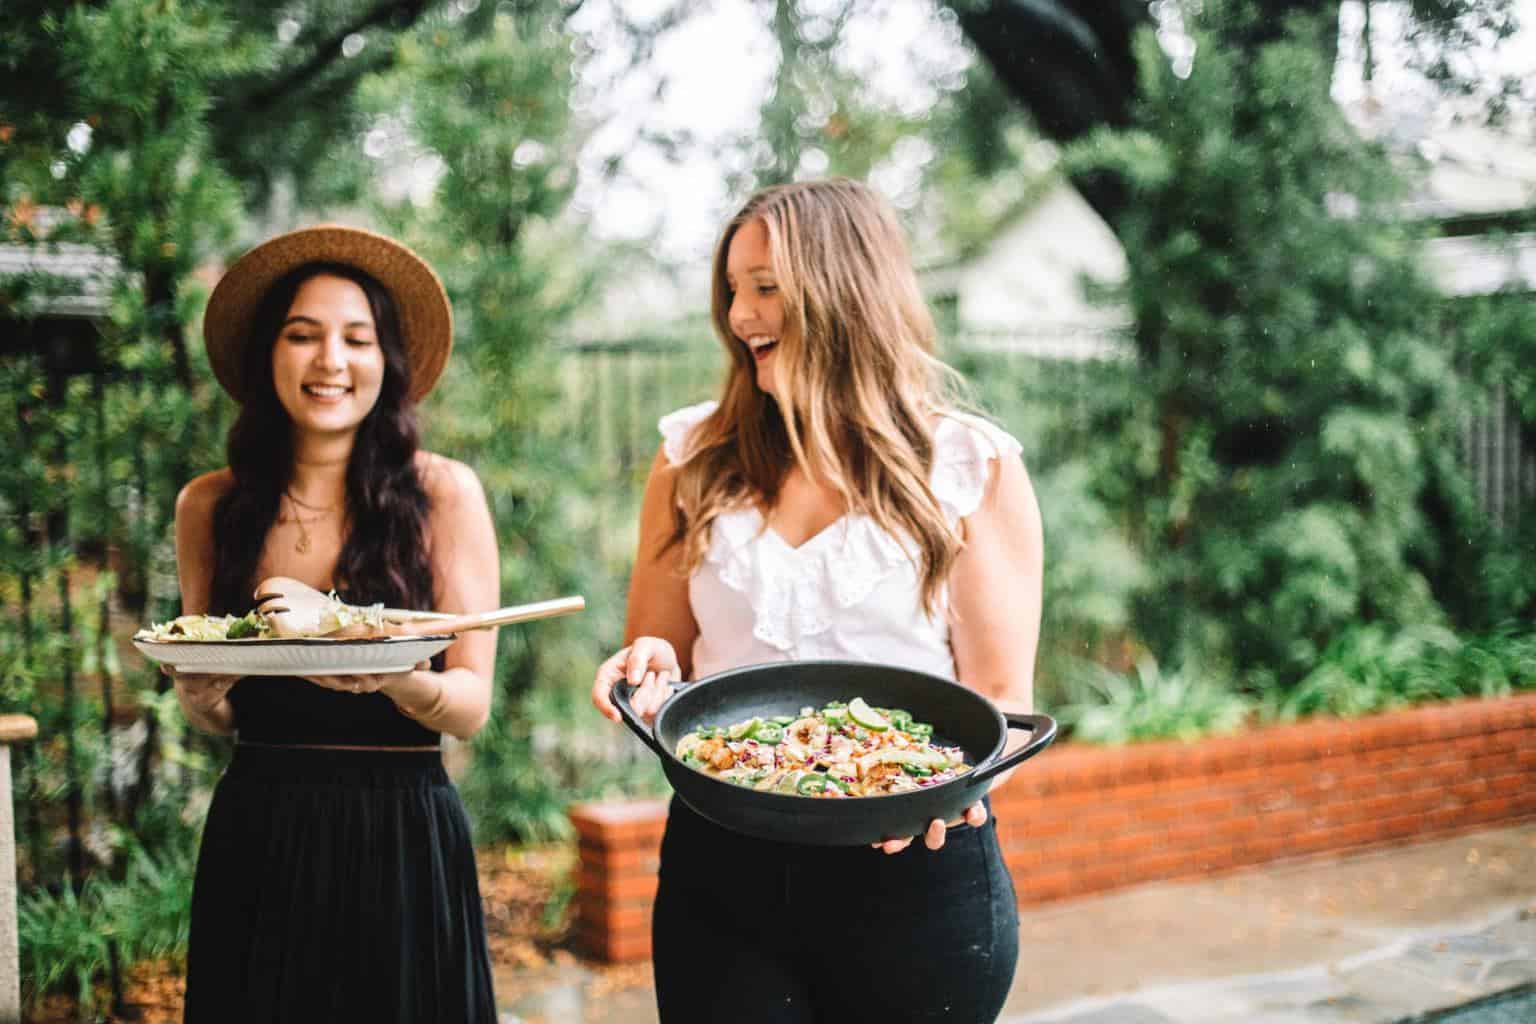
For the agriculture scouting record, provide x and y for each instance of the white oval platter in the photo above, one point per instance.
(308, 656)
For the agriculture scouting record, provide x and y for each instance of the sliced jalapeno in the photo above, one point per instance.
(917, 770)
(769, 732)
(811, 785)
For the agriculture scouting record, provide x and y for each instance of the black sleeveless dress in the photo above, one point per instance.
(334, 885)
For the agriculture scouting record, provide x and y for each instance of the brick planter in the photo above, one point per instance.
(1082, 820)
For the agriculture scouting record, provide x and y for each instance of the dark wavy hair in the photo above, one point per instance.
(384, 553)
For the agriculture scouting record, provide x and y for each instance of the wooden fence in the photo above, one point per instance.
(617, 392)
(1503, 466)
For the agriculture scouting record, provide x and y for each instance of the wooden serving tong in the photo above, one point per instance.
(294, 608)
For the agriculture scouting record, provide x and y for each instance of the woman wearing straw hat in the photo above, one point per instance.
(336, 879)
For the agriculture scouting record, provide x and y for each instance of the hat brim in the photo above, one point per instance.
(426, 319)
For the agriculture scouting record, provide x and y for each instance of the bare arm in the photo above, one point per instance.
(204, 698)
(995, 591)
(995, 597)
(659, 628)
(466, 564)
(658, 589)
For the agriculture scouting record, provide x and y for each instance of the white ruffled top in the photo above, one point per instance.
(850, 593)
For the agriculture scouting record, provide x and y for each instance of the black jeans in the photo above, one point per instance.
(754, 932)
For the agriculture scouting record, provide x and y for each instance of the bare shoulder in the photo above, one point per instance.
(202, 493)
(662, 465)
(447, 479)
(661, 482)
(451, 486)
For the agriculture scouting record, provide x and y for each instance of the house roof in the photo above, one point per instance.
(84, 274)
(1465, 167)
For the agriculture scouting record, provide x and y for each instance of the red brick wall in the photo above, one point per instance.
(1081, 820)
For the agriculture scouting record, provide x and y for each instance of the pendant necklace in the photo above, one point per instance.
(302, 545)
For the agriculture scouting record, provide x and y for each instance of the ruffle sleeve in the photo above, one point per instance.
(677, 428)
(964, 447)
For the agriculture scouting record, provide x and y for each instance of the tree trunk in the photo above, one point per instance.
(1071, 63)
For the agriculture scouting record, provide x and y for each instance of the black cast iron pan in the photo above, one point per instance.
(960, 717)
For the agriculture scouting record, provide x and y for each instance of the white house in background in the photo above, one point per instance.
(1475, 180)
(1022, 290)
(59, 321)
(81, 275)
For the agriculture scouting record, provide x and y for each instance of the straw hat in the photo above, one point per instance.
(426, 321)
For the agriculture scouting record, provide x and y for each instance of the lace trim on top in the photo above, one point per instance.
(796, 592)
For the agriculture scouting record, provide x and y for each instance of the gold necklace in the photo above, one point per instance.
(302, 545)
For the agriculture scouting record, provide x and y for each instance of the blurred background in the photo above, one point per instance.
(1250, 280)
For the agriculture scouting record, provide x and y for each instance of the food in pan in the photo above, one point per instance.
(253, 625)
(842, 750)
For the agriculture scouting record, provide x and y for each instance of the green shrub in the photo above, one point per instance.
(1372, 668)
(66, 938)
(530, 765)
(62, 948)
(1295, 394)
(1150, 704)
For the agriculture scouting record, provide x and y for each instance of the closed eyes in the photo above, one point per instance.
(304, 339)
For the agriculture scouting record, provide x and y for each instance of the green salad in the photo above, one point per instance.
(250, 626)
(840, 750)
(254, 626)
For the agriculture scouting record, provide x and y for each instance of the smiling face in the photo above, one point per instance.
(757, 308)
(327, 366)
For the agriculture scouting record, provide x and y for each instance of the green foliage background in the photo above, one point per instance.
(1288, 466)
(1260, 513)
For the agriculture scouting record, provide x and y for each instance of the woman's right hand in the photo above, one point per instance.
(200, 692)
(649, 663)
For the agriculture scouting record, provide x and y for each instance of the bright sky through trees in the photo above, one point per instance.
(683, 119)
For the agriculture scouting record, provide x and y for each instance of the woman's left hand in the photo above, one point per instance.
(373, 683)
(975, 816)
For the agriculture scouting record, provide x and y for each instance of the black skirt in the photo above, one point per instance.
(337, 885)
(757, 932)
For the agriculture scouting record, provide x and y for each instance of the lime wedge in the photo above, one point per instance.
(789, 783)
(741, 729)
(867, 716)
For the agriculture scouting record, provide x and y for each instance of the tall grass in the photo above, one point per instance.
(66, 937)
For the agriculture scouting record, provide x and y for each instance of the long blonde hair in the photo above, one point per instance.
(857, 383)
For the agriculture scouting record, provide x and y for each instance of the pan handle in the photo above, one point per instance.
(1043, 728)
(620, 695)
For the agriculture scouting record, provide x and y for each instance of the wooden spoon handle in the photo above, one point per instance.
(410, 615)
(499, 617)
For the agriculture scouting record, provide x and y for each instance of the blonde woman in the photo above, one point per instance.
(832, 504)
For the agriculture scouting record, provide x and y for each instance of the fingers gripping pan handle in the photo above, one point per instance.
(620, 695)
(1043, 730)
